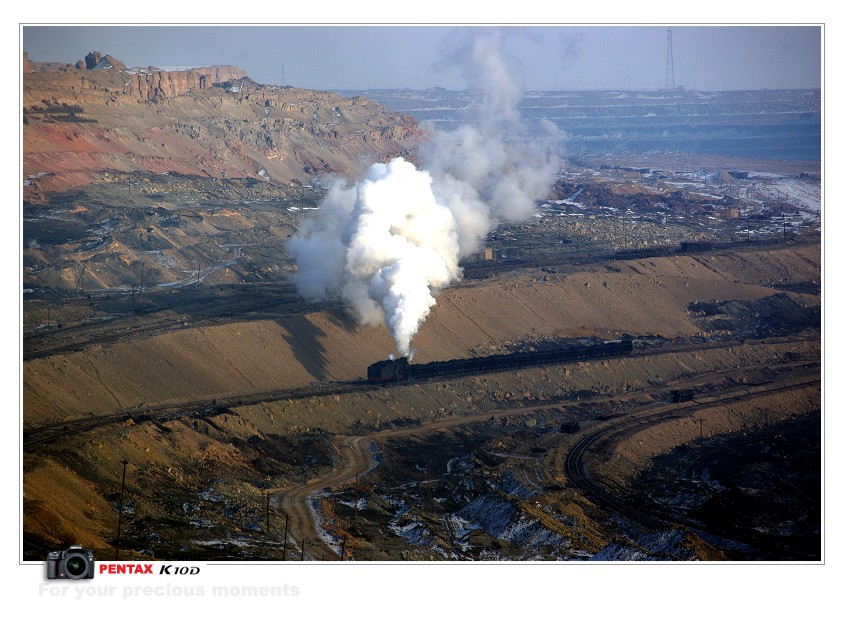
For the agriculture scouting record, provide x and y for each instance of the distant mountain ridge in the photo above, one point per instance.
(767, 124)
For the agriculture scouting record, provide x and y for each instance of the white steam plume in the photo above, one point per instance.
(388, 243)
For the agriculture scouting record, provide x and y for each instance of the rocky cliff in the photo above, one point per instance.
(153, 85)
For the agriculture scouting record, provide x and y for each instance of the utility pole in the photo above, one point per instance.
(624, 231)
(120, 511)
(80, 286)
(356, 495)
(286, 529)
(669, 84)
(267, 513)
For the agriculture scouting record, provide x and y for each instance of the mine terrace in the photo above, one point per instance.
(175, 381)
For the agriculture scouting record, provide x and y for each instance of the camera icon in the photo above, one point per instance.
(74, 563)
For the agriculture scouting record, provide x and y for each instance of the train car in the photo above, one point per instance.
(401, 369)
(389, 370)
(695, 247)
(648, 252)
(682, 395)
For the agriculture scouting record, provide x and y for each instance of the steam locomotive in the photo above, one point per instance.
(401, 369)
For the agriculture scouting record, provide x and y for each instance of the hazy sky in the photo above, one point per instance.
(549, 57)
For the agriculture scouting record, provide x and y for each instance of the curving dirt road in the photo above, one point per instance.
(355, 460)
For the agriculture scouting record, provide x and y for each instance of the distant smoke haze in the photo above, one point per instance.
(389, 243)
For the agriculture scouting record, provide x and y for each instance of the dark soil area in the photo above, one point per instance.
(758, 494)
(776, 315)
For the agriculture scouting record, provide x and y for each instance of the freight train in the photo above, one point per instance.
(401, 369)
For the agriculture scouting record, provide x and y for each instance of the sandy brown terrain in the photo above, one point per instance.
(197, 480)
(645, 297)
(163, 339)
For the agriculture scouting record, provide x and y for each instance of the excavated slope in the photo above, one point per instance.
(646, 297)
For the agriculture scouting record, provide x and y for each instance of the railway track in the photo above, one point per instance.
(129, 327)
(356, 461)
(479, 270)
(575, 463)
(157, 413)
(355, 455)
(45, 434)
(286, 301)
(147, 330)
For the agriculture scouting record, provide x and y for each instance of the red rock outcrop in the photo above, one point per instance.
(214, 121)
(154, 85)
